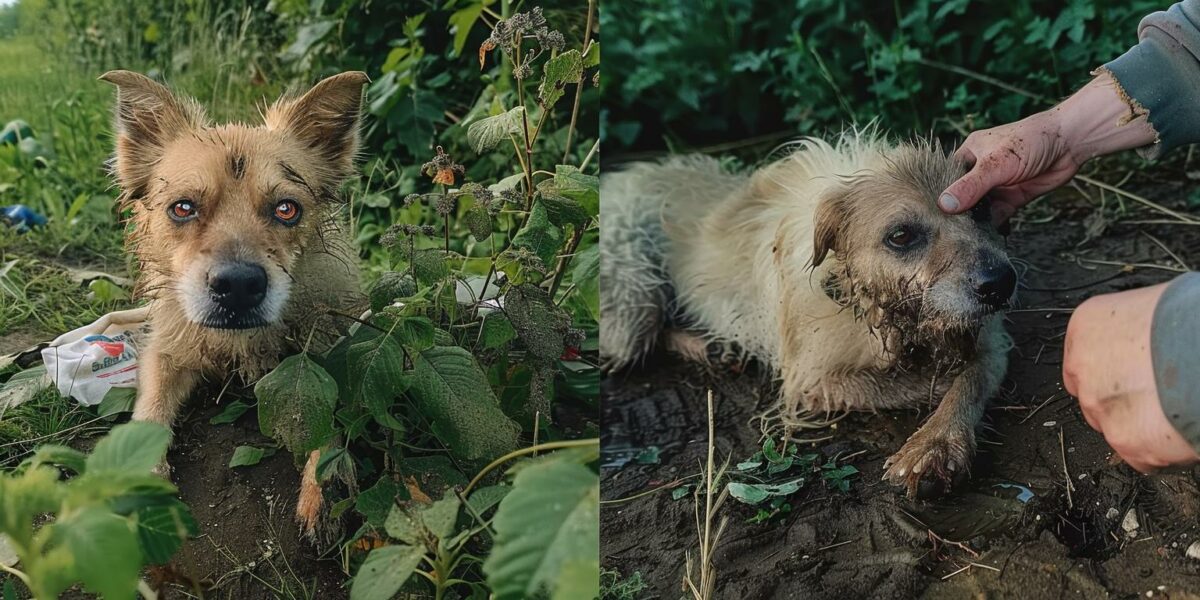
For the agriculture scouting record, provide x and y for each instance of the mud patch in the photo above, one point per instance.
(1016, 529)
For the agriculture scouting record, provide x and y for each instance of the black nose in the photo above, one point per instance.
(996, 284)
(238, 286)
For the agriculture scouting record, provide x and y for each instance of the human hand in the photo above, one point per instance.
(1107, 366)
(1021, 161)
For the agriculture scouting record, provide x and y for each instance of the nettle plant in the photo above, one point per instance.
(92, 519)
(464, 358)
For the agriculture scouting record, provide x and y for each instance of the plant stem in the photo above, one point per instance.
(565, 259)
(529, 450)
(18, 574)
(587, 44)
(591, 153)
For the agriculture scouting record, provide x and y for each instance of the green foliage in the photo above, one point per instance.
(805, 68)
(111, 518)
(772, 474)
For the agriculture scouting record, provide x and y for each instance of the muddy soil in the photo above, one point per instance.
(1038, 540)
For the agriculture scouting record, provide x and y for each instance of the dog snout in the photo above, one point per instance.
(996, 284)
(238, 286)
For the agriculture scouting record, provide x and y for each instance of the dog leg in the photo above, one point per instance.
(943, 446)
(696, 348)
(308, 507)
(162, 389)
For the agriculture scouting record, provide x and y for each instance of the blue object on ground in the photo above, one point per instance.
(22, 217)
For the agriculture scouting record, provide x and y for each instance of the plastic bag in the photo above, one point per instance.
(88, 362)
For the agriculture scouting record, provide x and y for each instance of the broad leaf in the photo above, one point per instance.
(384, 571)
(295, 404)
(585, 274)
(105, 548)
(540, 236)
(540, 324)
(375, 364)
(496, 330)
(550, 520)
(376, 502)
(162, 529)
(578, 186)
(479, 222)
(556, 74)
(248, 456)
(135, 447)
(484, 134)
(451, 391)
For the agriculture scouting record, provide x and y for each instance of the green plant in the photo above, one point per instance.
(111, 517)
(773, 474)
(483, 326)
(615, 587)
(804, 68)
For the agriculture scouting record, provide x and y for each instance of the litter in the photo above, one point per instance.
(88, 362)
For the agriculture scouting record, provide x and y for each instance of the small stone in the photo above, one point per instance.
(1112, 514)
(1049, 423)
(1130, 523)
(1193, 551)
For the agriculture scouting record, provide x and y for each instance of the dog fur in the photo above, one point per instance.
(234, 176)
(789, 266)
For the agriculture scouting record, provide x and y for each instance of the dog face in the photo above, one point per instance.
(922, 277)
(222, 213)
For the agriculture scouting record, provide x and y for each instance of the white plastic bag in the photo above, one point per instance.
(88, 362)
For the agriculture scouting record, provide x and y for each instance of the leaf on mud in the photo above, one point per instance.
(556, 74)
(548, 521)
(449, 388)
(755, 493)
(540, 324)
(384, 571)
(295, 404)
(484, 134)
(247, 456)
(232, 412)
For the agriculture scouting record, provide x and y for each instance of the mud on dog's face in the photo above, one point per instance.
(221, 213)
(905, 262)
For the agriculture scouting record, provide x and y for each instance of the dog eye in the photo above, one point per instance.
(182, 210)
(287, 212)
(901, 237)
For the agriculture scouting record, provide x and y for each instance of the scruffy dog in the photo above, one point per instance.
(236, 234)
(903, 312)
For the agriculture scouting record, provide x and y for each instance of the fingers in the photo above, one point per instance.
(967, 191)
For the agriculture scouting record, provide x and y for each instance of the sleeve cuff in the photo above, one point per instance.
(1174, 336)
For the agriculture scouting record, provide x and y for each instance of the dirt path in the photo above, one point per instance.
(872, 542)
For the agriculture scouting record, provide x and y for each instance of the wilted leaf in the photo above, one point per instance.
(484, 134)
(295, 404)
(556, 74)
(551, 519)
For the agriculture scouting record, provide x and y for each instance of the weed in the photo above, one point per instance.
(615, 587)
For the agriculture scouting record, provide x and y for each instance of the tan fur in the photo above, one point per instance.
(790, 266)
(167, 150)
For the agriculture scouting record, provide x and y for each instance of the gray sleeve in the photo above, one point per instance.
(1174, 342)
(1160, 76)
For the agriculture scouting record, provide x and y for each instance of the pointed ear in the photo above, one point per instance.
(148, 117)
(827, 225)
(326, 118)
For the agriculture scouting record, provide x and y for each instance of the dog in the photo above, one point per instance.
(236, 233)
(832, 266)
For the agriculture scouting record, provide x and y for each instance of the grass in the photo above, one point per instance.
(47, 418)
(613, 586)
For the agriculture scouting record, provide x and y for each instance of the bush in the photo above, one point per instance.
(810, 66)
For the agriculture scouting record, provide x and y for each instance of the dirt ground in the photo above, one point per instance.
(872, 541)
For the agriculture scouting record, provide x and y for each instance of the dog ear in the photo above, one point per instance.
(148, 117)
(827, 225)
(326, 118)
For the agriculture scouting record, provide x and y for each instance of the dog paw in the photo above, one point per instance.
(930, 462)
(710, 353)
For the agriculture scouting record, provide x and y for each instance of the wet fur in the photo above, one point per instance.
(167, 149)
(787, 264)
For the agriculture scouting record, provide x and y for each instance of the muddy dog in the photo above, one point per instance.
(236, 234)
(905, 311)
